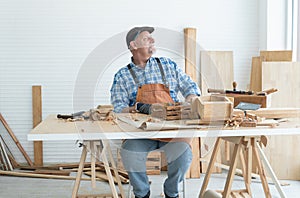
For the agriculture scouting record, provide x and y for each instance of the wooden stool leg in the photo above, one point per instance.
(113, 164)
(79, 173)
(229, 180)
(210, 167)
(108, 172)
(261, 170)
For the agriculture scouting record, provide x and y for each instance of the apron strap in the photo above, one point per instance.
(132, 74)
(162, 72)
(160, 68)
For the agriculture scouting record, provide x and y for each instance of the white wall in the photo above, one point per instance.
(56, 44)
(277, 20)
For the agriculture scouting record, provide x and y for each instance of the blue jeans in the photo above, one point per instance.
(134, 155)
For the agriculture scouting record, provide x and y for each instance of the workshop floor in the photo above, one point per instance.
(23, 187)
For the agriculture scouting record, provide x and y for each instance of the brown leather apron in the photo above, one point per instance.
(156, 93)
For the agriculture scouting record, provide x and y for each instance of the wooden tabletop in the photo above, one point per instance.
(57, 129)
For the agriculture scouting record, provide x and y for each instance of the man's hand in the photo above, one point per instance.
(129, 110)
(190, 97)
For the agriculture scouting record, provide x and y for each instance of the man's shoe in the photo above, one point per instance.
(146, 196)
(167, 196)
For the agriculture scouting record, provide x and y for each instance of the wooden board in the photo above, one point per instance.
(280, 55)
(190, 52)
(284, 149)
(266, 56)
(216, 70)
(255, 78)
(36, 119)
(190, 69)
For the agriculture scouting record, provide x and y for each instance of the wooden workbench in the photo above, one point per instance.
(52, 129)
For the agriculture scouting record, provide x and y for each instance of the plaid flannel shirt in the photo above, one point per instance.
(124, 89)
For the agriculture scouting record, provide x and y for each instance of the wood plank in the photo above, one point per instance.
(280, 55)
(190, 69)
(285, 77)
(15, 139)
(37, 118)
(216, 70)
(46, 176)
(190, 52)
(255, 78)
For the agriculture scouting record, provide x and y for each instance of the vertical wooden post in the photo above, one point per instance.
(190, 69)
(37, 118)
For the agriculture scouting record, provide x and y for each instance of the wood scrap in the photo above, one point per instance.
(52, 172)
(4, 157)
(45, 176)
(103, 176)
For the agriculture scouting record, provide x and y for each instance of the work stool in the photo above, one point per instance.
(98, 149)
(252, 151)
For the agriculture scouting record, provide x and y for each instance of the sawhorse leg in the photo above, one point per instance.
(210, 167)
(79, 173)
(104, 147)
(253, 150)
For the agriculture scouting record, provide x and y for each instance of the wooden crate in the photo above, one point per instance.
(212, 107)
(153, 163)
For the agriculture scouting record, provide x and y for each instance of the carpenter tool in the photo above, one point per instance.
(72, 116)
(233, 91)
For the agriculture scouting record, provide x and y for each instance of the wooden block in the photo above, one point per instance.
(213, 107)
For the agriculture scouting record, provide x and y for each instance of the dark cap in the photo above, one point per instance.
(134, 32)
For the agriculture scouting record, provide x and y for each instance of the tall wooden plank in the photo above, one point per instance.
(284, 149)
(37, 118)
(216, 70)
(255, 78)
(190, 69)
(190, 52)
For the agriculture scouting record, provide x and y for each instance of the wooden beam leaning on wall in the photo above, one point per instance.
(15, 139)
(190, 69)
(37, 118)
